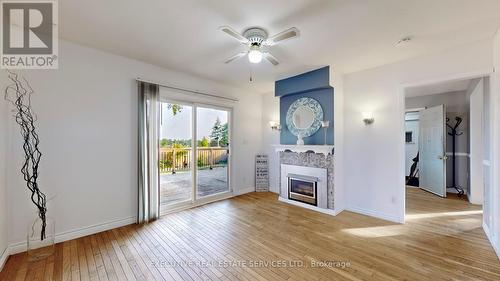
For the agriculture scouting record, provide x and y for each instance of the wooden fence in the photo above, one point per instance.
(179, 159)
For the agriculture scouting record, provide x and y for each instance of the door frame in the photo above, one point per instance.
(401, 109)
(195, 201)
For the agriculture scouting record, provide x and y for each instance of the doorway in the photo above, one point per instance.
(194, 153)
(446, 133)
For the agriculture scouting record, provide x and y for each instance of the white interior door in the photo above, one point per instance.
(432, 143)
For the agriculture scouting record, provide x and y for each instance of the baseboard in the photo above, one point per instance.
(337, 211)
(4, 257)
(243, 191)
(491, 237)
(206, 200)
(77, 233)
(375, 214)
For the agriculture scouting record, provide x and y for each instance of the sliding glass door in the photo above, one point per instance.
(175, 154)
(212, 151)
(194, 154)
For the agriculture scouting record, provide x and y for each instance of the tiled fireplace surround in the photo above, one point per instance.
(311, 159)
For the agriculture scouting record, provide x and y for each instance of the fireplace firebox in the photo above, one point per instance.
(303, 189)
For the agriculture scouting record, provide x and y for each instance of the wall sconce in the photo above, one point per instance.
(275, 125)
(368, 117)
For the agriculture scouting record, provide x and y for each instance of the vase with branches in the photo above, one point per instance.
(19, 94)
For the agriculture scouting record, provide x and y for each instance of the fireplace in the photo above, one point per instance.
(304, 186)
(303, 189)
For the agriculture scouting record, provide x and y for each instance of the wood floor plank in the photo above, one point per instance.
(66, 265)
(145, 256)
(210, 254)
(85, 245)
(49, 269)
(158, 256)
(135, 262)
(11, 267)
(57, 273)
(120, 257)
(106, 260)
(113, 257)
(99, 262)
(237, 239)
(188, 253)
(82, 260)
(22, 268)
(170, 253)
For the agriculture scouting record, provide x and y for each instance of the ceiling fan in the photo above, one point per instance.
(258, 42)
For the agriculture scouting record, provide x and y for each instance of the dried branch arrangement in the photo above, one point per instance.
(19, 94)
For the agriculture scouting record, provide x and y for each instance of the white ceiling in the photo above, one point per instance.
(438, 88)
(349, 34)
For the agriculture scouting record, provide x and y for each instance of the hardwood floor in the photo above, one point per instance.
(441, 240)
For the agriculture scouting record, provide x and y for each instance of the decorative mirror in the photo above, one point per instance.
(304, 117)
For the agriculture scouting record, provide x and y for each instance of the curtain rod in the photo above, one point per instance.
(187, 90)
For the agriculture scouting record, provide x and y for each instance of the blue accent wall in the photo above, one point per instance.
(312, 80)
(313, 84)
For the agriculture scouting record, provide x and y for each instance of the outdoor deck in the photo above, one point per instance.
(177, 187)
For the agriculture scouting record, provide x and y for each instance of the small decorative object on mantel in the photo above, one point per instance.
(325, 124)
(41, 231)
(261, 173)
(300, 139)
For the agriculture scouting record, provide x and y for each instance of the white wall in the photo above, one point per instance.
(271, 112)
(374, 159)
(493, 228)
(456, 102)
(3, 179)
(476, 136)
(488, 108)
(337, 81)
(87, 113)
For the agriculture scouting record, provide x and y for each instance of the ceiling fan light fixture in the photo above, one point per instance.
(255, 55)
(258, 42)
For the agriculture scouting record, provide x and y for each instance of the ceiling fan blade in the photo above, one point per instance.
(283, 36)
(271, 58)
(233, 33)
(235, 57)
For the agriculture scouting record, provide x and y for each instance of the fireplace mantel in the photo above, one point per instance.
(324, 149)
